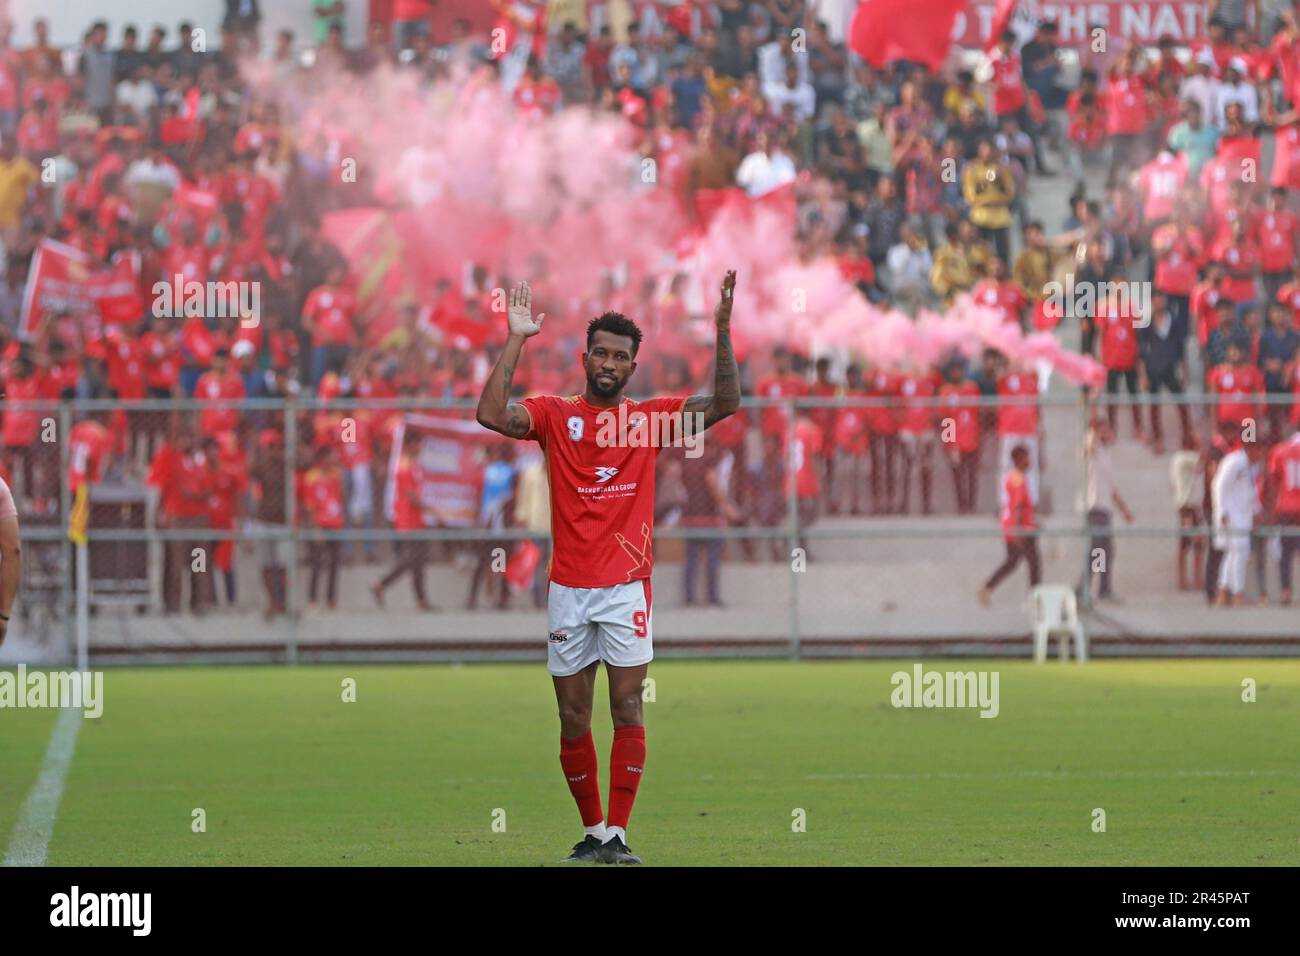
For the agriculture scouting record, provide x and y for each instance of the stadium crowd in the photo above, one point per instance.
(919, 183)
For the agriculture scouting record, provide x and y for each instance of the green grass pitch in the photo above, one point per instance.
(417, 769)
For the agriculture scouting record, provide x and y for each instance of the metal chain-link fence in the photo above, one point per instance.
(841, 524)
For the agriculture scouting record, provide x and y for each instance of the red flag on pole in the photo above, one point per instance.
(883, 31)
(1001, 20)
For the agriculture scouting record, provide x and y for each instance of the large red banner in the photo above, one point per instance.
(449, 452)
(1124, 21)
(61, 280)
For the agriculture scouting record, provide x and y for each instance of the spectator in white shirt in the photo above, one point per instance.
(1235, 499)
(776, 57)
(792, 92)
(1099, 493)
(138, 93)
(766, 168)
(908, 264)
(1202, 87)
(1234, 89)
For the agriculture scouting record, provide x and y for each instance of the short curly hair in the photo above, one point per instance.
(616, 323)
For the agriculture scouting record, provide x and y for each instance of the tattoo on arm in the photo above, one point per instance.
(726, 386)
(518, 422)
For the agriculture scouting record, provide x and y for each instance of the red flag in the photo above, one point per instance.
(883, 31)
(1001, 20)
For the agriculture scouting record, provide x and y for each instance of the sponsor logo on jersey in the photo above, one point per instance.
(559, 637)
(605, 472)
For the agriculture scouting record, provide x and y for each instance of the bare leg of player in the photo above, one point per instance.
(627, 757)
(574, 695)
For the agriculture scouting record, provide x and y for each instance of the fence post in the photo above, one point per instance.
(67, 596)
(792, 522)
(1085, 468)
(291, 527)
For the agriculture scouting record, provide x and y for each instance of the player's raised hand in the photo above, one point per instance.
(722, 313)
(520, 314)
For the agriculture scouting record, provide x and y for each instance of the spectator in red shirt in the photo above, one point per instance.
(1275, 232)
(32, 461)
(1018, 526)
(221, 385)
(178, 472)
(1240, 258)
(1236, 386)
(959, 430)
(226, 478)
(850, 437)
(882, 425)
(408, 515)
(1178, 248)
(329, 318)
(322, 501)
(1117, 322)
(1284, 503)
(917, 389)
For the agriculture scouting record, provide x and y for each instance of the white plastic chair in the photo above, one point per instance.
(1056, 611)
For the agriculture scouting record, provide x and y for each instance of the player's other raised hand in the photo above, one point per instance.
(722, 313)
(520, 314)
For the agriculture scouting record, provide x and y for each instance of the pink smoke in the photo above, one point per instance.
(560, 200)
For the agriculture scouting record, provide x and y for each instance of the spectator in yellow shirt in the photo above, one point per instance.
(962, 93)
(17, 178)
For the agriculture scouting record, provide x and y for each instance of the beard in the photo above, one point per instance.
(605, 389)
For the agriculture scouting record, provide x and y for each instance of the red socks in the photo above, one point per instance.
(626, 763)
(578, 758)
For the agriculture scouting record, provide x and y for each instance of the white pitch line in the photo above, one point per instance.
(30, 841)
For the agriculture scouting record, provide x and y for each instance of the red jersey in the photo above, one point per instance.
(1290, 294)
(802, 460)
(1176, 269)
(882, 419)
(1217, 177)
(1233, 384)
(1008, 83)
(789, 385)
(215, 388)
(918, 416)
(1160, 182)
(1286, 157)
(1275, 234)
(823, 418)
(126, 368)
(1018, 511)
(1241, 260)
(21, 426)
(602, 490)
(408, 512)
(331, 312)
(1204, 300)
(1119, 345)
(1284, 471)
(963, 415)
(323, 497)
(1005, 297)
(851, 425)
(355, 440)
(1125, 101)
(162, 366)
(1017, 415)
(89, 444)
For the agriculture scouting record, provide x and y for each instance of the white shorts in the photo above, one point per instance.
(610, 624)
